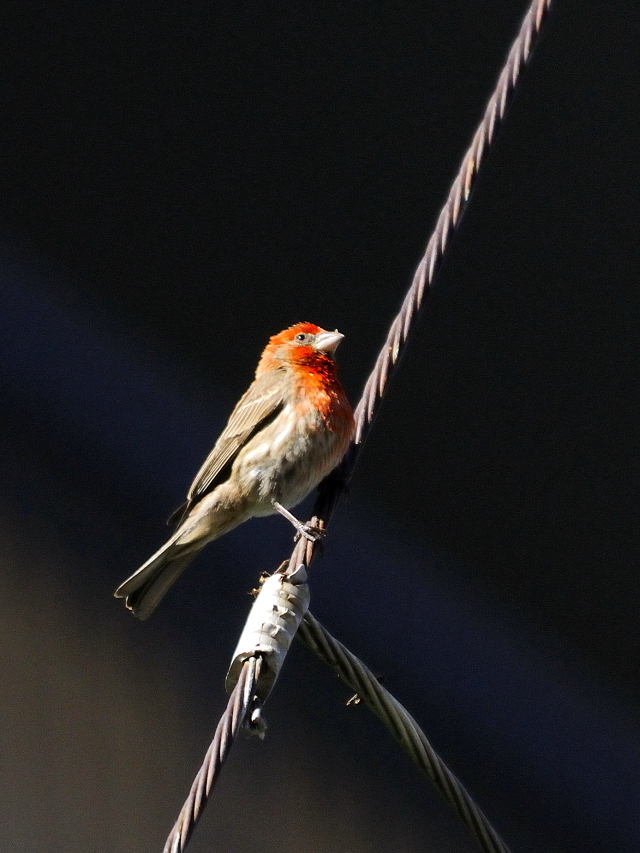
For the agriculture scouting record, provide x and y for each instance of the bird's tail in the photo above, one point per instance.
(146, 588)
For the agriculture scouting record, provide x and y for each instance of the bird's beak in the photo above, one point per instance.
(328, 341)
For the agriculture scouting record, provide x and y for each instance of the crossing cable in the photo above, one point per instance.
(333, 487)
(403, 727)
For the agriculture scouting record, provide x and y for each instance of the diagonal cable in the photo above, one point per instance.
(425, 274)
(449, 219)
(226, 732)
(403, 727)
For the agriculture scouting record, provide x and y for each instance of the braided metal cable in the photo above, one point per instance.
(449, 218)
(226, 732)
(425, 274)
(403, 727)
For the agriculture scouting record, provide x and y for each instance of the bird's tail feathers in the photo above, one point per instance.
(146, 587)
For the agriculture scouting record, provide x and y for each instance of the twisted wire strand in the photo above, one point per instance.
(206, 778)
(449, 219)
(403, 727)
(404, 322)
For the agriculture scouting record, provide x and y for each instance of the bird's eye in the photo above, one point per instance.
(301, 337)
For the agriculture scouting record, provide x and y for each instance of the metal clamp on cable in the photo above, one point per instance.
(271, 626)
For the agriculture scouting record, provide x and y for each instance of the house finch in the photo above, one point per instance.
(288, 432)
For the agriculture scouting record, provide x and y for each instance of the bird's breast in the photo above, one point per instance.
(289, 457)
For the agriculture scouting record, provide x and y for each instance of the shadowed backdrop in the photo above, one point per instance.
(178, 184)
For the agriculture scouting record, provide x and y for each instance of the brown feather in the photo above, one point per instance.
(261, 403)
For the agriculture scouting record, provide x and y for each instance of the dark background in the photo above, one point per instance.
(181, 180)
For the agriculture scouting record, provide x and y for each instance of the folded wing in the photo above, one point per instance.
(261, 403)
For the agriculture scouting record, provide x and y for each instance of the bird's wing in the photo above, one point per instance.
(262, 401)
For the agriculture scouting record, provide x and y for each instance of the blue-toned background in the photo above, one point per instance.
(178, 184)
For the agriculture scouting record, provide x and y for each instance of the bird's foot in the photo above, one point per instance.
(310, 533)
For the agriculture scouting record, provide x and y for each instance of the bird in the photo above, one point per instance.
(286, 434)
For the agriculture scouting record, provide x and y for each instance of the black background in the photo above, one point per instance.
(202, 175)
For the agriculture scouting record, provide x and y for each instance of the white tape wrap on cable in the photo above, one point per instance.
(270, 627)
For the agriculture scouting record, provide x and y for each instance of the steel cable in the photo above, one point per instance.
(403, 727)
(226, 732)
(405, 321)
(449, 219)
